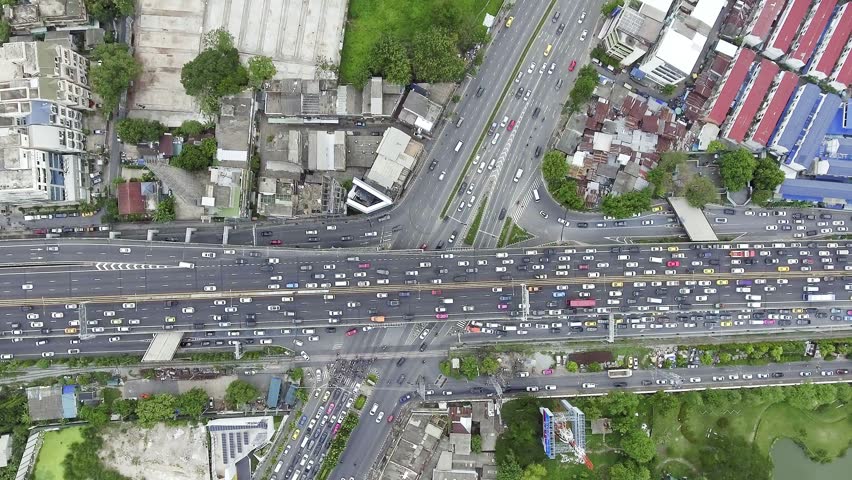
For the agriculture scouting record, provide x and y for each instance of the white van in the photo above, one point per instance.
(655, 260)
(459, 122)
(518, 175)
(494, 140)
(459, 145)
(186, 265)
(756, 298)
(341, 283)
(536, 197)
(447, 300)
(654, 300)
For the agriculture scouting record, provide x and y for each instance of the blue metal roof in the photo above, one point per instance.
(274, 392)
(290, 397)
(69, 401)
(842, 124)
(798, 114)
(839, 168)
(815, 190)
(808, 147)
(39, 113)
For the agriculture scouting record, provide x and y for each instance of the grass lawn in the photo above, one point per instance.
(360, 401)
(403, 19)
(474, 227)
(511, 233)
(56, 445)
(828, 428)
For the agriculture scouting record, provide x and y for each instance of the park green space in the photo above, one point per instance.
(56, 446)
(401, 19)
(685, 429)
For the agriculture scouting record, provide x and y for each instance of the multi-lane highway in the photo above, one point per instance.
(117, 294)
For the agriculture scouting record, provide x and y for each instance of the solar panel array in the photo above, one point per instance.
(233, 438)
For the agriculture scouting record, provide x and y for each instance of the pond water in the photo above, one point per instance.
(791, 463)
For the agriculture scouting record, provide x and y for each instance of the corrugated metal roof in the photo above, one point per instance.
(844, 71)
(796, 116)
(763, 20)
(788, 26)
(732, 86)
(808, 147)
(807, 41)
(274, 392)
(760, 85)
(832, 44)
(839, 168)
(815, 190)
(764, 128)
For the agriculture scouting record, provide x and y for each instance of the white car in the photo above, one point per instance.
(209, 288)
(583, 35)
(128, 305)
(208, 254)
(245, 299)
(532, 67)
(184, 310)
(220, 302)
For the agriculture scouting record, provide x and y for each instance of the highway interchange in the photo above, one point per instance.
(122, 291)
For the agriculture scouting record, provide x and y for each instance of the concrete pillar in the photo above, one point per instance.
(188, 236)
(151, 233)
(226, 231)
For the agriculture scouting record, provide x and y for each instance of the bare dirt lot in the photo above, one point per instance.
(160, 453)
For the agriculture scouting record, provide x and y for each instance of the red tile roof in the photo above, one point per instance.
(835, 42)
(130, 199)
(765, 18)
(844, 74)
(807, 41)
(789, 24)
(767, 124)
(732, 85)
(751, 103)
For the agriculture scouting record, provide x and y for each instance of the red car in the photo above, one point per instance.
(673, 263)
(330, 408)
(390, 418)
(351, 332)
(584, 267)
(363, 265)
(436, 292)
(510, 126)
(275, 242)
(424, 247)
(573, 64)
(441, 316)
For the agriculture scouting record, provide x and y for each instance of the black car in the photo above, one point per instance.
(267, 268)
(477, 390)
(777, 374)
(400, 379)
(346, 238)
(266, 233)
(26, 308)
(522, 268)
(825, 216)
(730, 211)
(560, 29)
(170, 303)
(583, 225)
(619, 384)
(502, 214)
(422, 347)
(520, 92)
(646, 382)
(241, 261)
(330, 330)
(254, 254)
(433, 165)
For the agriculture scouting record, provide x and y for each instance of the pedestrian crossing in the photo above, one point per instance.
(459, 327)
(106, 266)
(519, 210)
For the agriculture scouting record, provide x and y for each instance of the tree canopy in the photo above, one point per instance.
(192, 158)
(469, 367)
(165, 210)
(136, 130)
(112, 73)
(260, 69)
(584, 88)
(435, 57)
(489, 366)
(156, 409)
(568, 196)
(215, 72)
(5, 31)
(191, 127)
(767, 177)
(637, 445)
(389, 59)
(700, 191)
(554, 169)
(626, 204)
(240, 392)
(106, 10)
(737, 168)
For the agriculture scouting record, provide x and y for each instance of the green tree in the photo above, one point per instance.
(567, 195)
(5, 31)
(730, 457)
(663, 403)
(260, 69)
(434, 56)
(192, 158)
(296, 374)
(240, 392)
(508, 468)
(476, 443)
(638, 446)
(208, 147)
(584, 88)
(700, 191)
(767, 175)
(156, 409)
(554, 169)
(193, 402)
(715, 146)
(469, 367)
(620, 403)
(302, 395)
(136, 130)
(776, 352)
(534, 471)
(572, 367)
(42, 363)
(191, 127)
(668, 89)
(96, 416)
(626, 204)
(124, 407)
(761, 197)
(610, 6)
(165, 210)
(737, 168)
(389, 59)
(124, 7)
(489, 366)
(215, 72)
(629, 471)
(706, 358)
(594, 367)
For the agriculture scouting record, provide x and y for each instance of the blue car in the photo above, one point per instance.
(405, 398)
(303, 420)
(293, 285)
(558, 294)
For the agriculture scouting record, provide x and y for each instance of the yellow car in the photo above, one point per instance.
(116, 321)
(721, 282)
(509, 21)
(673, 249)
(296, 434)
(784, 269)
(798, 310)
(548, 49)
(617, 284)
(727, 324)
(171, 319)
(657, 209)
(708, 271)
(591, 324)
